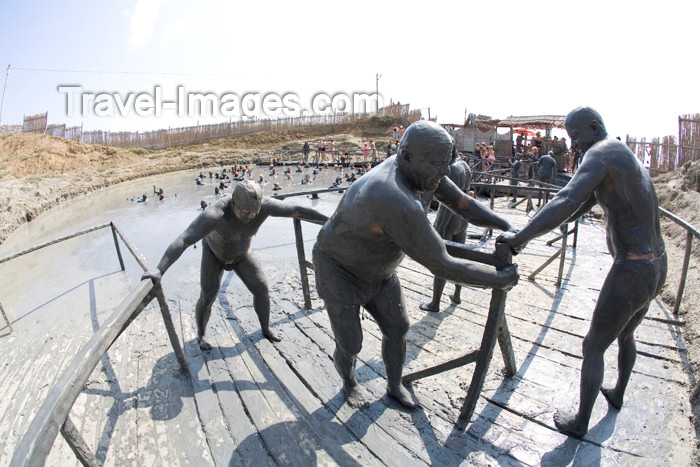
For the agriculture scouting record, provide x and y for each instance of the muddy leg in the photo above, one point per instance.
(434, 304)
(210, 281)
(626, 357)
(347, 331)
(456, 296)
(253, 277)
(389, 310)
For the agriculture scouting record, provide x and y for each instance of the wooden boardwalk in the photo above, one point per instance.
(252, 402)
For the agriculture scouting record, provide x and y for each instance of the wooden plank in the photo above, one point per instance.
(44, 370)
(292, 426)
(415, 432)
(172, 422)
(337, 439)
(15, 379)
(444, 443)
(66, 348)
(124, 357)
(146, 436)
(269, 415)
(35, 445)
(249, 447)
(221, 445)
(313, 364)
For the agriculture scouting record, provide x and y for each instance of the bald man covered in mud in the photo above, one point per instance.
(226, 229)
(611, 176)
(380, 219)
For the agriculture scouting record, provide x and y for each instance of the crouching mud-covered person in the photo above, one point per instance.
(380, 219)
(226, 229)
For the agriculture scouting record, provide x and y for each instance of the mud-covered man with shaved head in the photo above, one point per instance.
(611, 176)
(380, 219)
(226, 229)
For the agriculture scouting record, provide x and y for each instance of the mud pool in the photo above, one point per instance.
(50, 287)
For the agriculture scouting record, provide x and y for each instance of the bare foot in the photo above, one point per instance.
(271, 336)
(612, 397)
(566, 423)
(429, 307)
(402, 395)
(356, 397)
(456, 299)
(204, 344)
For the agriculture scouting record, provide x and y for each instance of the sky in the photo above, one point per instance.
(625, 59)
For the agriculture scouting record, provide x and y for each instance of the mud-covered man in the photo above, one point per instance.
(226, 229)
(451, 227)
(380, 219)
(613, 177)
(546, 174)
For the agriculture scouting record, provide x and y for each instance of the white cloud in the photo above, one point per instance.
(142, 19)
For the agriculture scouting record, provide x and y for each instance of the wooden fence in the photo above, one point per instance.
(35, 123)
(401, 111)
(669, 152)
(183, 136)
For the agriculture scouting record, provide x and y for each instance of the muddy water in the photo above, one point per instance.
(79, 280)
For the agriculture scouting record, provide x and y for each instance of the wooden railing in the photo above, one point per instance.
(54, 414)
(691, 231)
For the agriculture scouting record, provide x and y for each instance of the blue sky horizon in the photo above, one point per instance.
(543, 57)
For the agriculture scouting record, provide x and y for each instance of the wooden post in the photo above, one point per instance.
(562, 257)
(549, 261)
(172, 335)
(116, 245)
(506, 345)
(679, 153)
(80, 448)
(495, 329)
(143, 262)
(684, 271)
(5, 316)
(301, 256)
(488, 341)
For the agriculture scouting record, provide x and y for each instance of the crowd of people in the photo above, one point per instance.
(531, 151)
(327, 152)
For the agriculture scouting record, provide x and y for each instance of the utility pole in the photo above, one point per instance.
(378, 76)
(2, 104)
